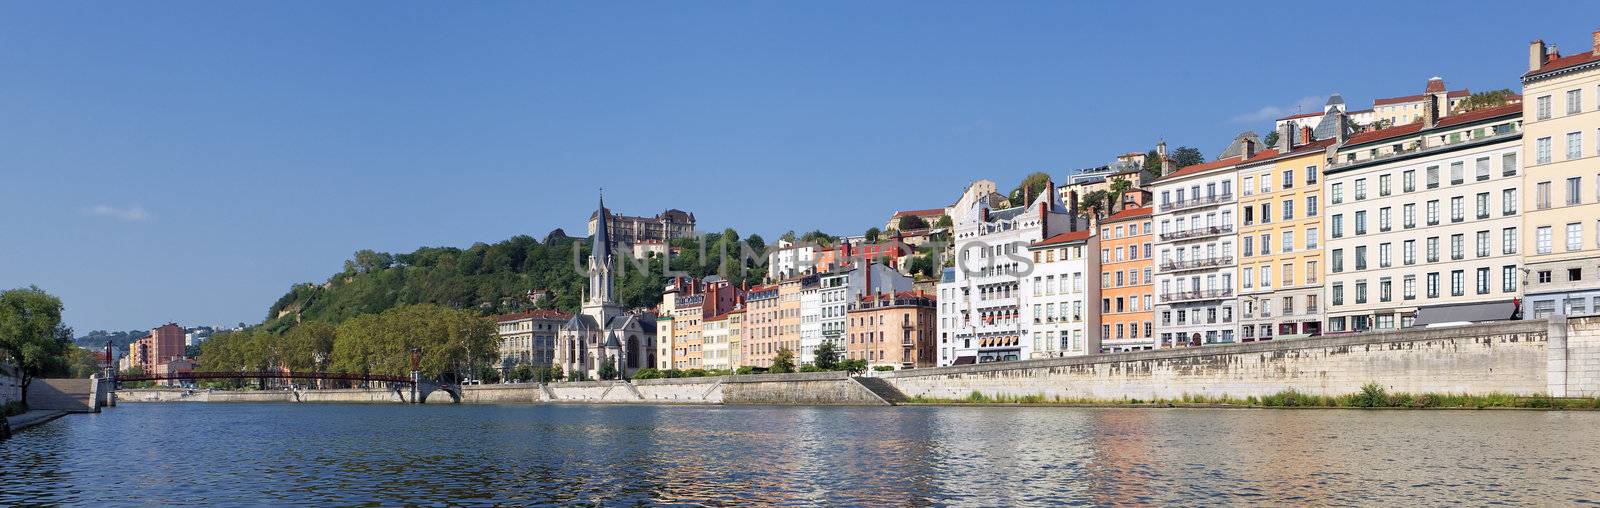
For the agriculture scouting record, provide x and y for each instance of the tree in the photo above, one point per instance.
(1119, 188)
(854, 366)
(522, 373)
(872, 234)
(1186, 156)
(31, 335)
(911, 222)
(783, 362)
(1030, 188)
(827, 356)
(787, 236)
(1152, 162)
(944, 221)
(1094, 202)
(552, 374)
(1271, 139)
(608, 368)
(1488, 99)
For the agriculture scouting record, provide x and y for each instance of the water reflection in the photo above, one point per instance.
(748, 455)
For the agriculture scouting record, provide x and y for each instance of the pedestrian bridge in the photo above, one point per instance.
(401, 384)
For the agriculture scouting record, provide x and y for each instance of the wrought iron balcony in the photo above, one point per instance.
(1201, 232)
(1214, 199)
(1192, 296)
(1196, 264)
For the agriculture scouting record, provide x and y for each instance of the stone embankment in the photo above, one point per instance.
(1559, 358)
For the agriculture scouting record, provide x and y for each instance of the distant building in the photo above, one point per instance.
(604, 332)
(632, 231)
(895, 330)
(164, 343)
(1194, 216)
(930, 216)
(790, 259)
(1057, 296)
(529, 338)
(834, 292)
(686, 306)
(1409, 108)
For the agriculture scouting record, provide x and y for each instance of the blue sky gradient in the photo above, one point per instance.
(189, 161)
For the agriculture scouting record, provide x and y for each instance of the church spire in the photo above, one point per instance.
(600, 256)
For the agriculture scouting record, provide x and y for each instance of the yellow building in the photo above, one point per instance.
(1560, 181)
(1280, 263)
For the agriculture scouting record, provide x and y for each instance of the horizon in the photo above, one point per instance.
(192, 167)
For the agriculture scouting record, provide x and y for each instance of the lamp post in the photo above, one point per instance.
(416, 371)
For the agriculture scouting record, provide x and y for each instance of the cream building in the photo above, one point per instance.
(1423, 221)
(1061, 296)
(1195, 214)
(1561, 182)
(1280, 238)
(529, 338)
(716, 336)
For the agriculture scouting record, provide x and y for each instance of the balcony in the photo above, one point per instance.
(1194, 296)
(1196, 264)
(1204, 232)
(1196, 202)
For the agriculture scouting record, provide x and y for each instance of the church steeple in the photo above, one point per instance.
(600, 260)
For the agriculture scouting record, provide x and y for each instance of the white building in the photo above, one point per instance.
(834, 292)
(1423, 218)
(980, 317)
(810, 322)
(1195, 215)
(1060, 296)
(791, 259)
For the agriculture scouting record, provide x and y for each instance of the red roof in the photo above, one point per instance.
(536, 313)
(1418, 98)
(1416, 126)
(933, 212)
(1070, 236)
(1130, 213)
(1204, 166)
(1563, 62)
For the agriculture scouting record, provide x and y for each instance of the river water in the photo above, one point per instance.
(309, 454)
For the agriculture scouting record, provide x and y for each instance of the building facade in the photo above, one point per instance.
(1423, 218)
(980, 316)
(165, 343)
(632, 231)
(1195, 237)
(604, 332)
(1561, 183)
(1060, 296)
(1126, 305)
(893, 330)
(1280, 238)
(528, 338)
(762, 339)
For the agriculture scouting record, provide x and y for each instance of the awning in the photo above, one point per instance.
(1467, 313)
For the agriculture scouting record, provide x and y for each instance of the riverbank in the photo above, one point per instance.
(1371, 397)
(33, 418)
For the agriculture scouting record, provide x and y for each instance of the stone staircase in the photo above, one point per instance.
(71, 395)
(883, 389)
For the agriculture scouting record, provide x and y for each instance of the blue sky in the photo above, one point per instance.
(189, 161)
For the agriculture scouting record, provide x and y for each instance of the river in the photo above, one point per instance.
(614, 455)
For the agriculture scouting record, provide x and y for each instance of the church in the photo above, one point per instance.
(603, 331)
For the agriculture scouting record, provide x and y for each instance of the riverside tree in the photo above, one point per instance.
(31, 335)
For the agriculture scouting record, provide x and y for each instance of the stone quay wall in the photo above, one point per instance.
(1505, 357)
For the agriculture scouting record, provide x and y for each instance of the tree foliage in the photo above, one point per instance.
(1187, 156)
(1488, 99)
(31, 335)
(452, 342)
(1152, 162)
(783, 362)
(1271, 139)
(911, 222)
(826, 356)
(1029, 188)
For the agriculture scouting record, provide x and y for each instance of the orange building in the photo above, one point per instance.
(893, 330)
(1127, 314)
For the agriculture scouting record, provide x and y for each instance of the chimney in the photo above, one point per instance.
(1536, 54)
(1430, 111)
(1072, 206)
(1595, 49)
(1161, 151)
(1285, 136)
(1249, 147)
(1305, 134)
(1343, 130)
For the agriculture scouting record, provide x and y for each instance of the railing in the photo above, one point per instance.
(1193, 264)
(1197, 232)
(1196, 201)
(1206, 294)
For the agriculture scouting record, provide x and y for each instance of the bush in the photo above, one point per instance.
(647, 373)
(883, 368)
(673, 373)
(1372, 395)
(694, 373)
(13, 408)
(745, 370)
(810, 368)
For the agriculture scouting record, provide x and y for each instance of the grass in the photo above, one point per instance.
(1371, 395)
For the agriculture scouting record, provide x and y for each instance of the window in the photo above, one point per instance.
(1408, 215)
(1288, 209)
(1266, 213)
(1266, 183)
(1337, 191)
(1482, 169)
(1508, 202)
(1541, 196)
(1433, 249)
(1248, 277)
(1361, 292)
(1383, 185)
(1456, 170)
(1508, 278)
(1483, 281)
(1266, 276)
(1249, 246)
(1361, 222)
(1482, 243)
(1456, 209)
(1311, 206)
(1541, 150)
(1311, 175)
(1573, 185)
(1458, 283)
(1541, 238)
(1385, 290)
(1574, 236)
(1384, 222)
(1408, 180)
(1311, 272)
(1574, 102)
(1408, 287)
(1542, 108)
(1288, 179)
(1433, 213)
(1249, 185)
(1457, 246)
(1338, 226)
(1361, 189)
(1361, 257)
(1311, 238)
(1544, 276)
(1385, 254)
(1338, 294)
(1574, 145)
(1338, 260)
(1483, 205)
(1433, 177)
(1508, 241)
(1266, 244)
(1408, 252)
(1288, 241)
(1508, 164)
(1433, 285)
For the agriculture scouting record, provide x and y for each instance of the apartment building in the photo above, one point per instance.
(528, 338)
(835, 291)
(894, 330)
(980, 317)
(686, 304)
(1561, 180)
(1060, 296)
(1195, 239)
(761, 337)
(716, 336)
(1423, 219)
(1280, 236)
(810, 321)
(1127, 303)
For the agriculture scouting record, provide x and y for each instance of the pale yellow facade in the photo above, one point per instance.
(1280, 239)
(1561, 182)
